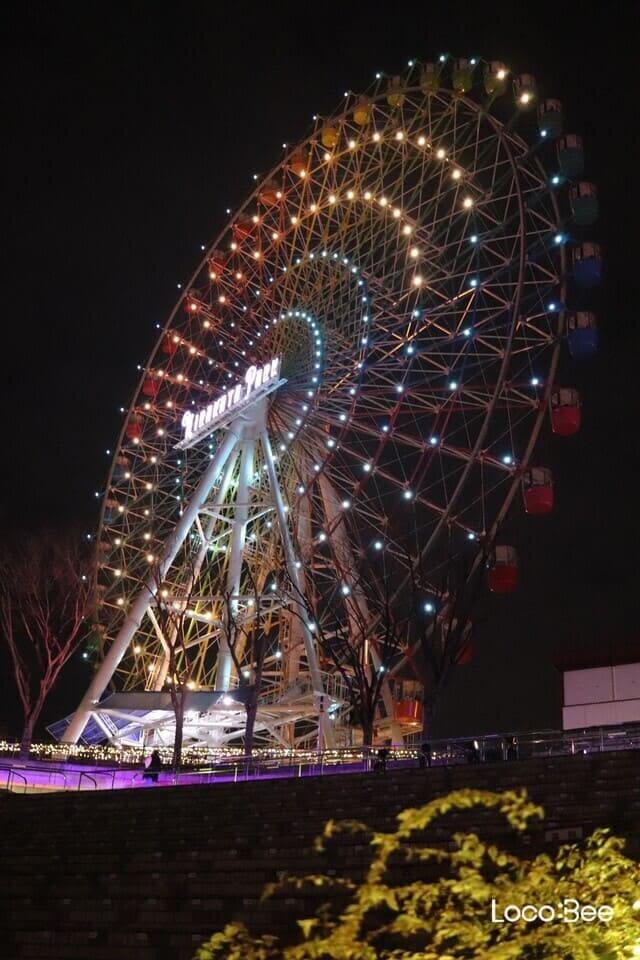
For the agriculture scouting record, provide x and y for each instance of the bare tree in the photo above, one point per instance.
(439, 627)
(173, 622)
(359, 635)
(247, 639)
(46, 596)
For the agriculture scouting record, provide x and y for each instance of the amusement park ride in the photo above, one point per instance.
(354, 377)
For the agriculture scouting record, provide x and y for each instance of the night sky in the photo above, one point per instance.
(129, 128)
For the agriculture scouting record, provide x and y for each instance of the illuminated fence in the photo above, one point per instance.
(78, 767)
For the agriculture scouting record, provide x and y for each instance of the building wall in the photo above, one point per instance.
(600, 696)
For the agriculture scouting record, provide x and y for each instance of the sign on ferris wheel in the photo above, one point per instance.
(258, 382)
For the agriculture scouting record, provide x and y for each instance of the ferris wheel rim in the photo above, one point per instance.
(447, 98)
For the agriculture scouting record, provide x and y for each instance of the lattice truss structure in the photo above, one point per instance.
(400, 261)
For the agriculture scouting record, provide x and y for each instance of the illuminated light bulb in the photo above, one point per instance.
(467, 203)
(525, 97)
(350, 194)
(332, 198)
(414, 252)
(534, 382)
(471, 536)
(346, 504)
(117, 541)
(150, 558)
(256, 254)
(555, 180)
(294, 220)
(377, 545)
(428, 607)
(313, 207)
(322, 537)
(234, 245)
(397, 213)
(407, 229)
(441, 153)
(302, 174)
(417, 280)
(117, 573)
(367, 195)
(399, 135)
(376, 137)
(345, 590)
(383, 201)
(120, 601)
(501, 74)
(408, 495)
(278, 654)
(222, 298)
(507, 459)
(137, 648)
(352, 144)
(147, 536)
(433, 441)
(206, 324)
(331, 442)
(275, 235)
(473, 282)
(327, 157)
(456, 174)
(453, 385)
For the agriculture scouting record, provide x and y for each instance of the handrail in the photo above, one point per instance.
(89, 777)
(14, 773)
(213, 765)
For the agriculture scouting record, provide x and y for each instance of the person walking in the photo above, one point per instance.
(154, 767)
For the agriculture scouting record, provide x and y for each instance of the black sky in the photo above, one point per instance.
(129, 128)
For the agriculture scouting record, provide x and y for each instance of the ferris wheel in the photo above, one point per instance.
(359, 367)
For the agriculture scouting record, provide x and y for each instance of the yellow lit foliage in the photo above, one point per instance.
(449, 917)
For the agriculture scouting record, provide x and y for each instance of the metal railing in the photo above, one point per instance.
(217, 766)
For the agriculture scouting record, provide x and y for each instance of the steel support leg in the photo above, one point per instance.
(234, 572)
(326, 730)
(161, 673)
(140, 605)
